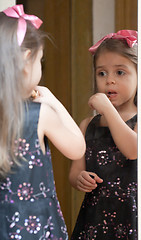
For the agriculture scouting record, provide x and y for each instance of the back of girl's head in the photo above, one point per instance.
(12, 82)
(33, 40)
(11, 57)
(118, 46)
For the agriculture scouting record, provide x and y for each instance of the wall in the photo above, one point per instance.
(103, 18)
(6, 3)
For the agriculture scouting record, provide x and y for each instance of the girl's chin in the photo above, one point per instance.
(115, 104)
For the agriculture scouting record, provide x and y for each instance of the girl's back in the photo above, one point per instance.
(29, 207)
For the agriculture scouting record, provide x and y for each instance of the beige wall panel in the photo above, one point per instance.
(103, 18)
(6, 3)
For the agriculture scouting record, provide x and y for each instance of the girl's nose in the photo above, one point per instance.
(110, 80)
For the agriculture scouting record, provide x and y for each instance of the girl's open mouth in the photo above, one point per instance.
(111, 94)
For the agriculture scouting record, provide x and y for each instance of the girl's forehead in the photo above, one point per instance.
(108, 56)
(108, 52)
(112, 57)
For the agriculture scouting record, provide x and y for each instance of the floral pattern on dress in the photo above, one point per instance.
(108, 212)
(29, 207)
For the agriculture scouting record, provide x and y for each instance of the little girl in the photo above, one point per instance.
(108, 173)
(29, 208)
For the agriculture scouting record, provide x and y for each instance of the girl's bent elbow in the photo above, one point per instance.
(78, 153)
(132, 156)
(81, 151)
(76, 150)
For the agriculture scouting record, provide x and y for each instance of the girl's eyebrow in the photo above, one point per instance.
(121, 65)
(117, 65)
(100, 67)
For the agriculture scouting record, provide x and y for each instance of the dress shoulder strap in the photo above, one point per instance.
(132, 122)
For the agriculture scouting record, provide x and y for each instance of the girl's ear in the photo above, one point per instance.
(27, 62)
(27, 54)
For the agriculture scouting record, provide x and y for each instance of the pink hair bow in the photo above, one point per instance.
(129, 35)
(17, 11)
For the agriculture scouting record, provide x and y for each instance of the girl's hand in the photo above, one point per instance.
(99, 102)
(86, 183)
(45, 96)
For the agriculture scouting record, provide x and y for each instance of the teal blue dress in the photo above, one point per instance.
(29, 208)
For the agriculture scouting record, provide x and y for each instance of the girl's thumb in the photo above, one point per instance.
(98, 179)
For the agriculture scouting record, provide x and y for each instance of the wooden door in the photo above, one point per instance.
(126, 14)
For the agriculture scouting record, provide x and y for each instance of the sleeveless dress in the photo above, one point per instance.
(110, 211)
(29, 208)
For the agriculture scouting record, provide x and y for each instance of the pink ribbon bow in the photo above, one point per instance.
(129, 35)
(17, 11)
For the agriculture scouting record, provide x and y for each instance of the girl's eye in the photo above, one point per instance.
(120, 72)
(102, 74)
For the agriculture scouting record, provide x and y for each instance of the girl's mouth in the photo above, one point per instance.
(111, 94)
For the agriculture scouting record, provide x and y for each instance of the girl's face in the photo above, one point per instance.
(116, 76)
(33, 71)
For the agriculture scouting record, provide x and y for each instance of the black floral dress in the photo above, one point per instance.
(29, 208)
(110, 211)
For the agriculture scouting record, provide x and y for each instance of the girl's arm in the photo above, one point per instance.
(78, 176)
(57, 124)
(124, 137)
